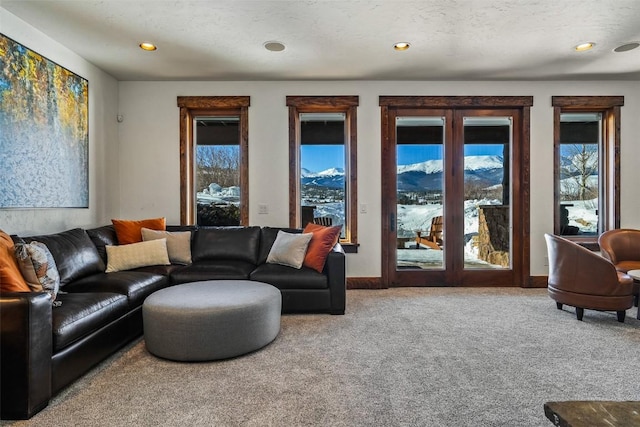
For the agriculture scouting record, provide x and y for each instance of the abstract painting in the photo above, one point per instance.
(44, 132)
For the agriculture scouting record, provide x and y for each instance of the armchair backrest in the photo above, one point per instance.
(620, 245)
(576, 269)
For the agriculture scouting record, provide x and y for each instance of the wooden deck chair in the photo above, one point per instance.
(434, 239)
(323, 220)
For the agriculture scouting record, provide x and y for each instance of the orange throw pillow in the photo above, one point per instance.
(129, 231)
(11, 279)
(323, 240)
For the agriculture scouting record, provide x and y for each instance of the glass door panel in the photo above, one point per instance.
(487, 192)
(450, 204)
(420, 190)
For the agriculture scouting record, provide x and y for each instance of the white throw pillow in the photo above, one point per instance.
(289, 249)
(134, 255)
(178, 243)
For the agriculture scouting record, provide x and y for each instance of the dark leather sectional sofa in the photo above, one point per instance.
(45, 348)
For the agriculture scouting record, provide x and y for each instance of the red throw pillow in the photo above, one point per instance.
(323, 240)
(131, 231)
(11, 279)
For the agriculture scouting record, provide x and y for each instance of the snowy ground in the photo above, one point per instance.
(583, 215)
(412, 218)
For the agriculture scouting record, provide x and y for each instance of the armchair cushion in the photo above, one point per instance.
(621, 247)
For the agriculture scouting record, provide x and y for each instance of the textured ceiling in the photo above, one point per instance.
(345, 40)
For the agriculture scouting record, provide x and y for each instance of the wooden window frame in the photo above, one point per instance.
(609, 177)
(326, 104)
(193, 106)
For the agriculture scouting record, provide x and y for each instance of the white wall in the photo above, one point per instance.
(103, 140)
(150, 168)
(135, 172)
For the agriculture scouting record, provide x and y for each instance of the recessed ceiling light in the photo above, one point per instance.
(274, 46)
(584, 46)
(401, 46)
(626, 47)
(148, 46)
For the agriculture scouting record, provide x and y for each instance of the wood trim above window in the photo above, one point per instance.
(213, 102)
(322, 103)
(456, 101)
(190, 107)
(585, 102)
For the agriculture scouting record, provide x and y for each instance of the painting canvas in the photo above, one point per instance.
(44, 135)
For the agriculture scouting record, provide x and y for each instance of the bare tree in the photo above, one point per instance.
(219, 165)
(581, 165)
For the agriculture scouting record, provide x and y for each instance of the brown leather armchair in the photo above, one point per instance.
(583, 279)
(622, 247)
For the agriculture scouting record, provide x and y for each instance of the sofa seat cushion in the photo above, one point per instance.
(283, 277)
(83, 313)
(163, 270)
(213, 270)
(135, 285)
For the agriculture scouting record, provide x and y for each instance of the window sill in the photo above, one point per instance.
(590, 242)
(349, 248)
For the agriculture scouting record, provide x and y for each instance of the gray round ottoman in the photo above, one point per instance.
(208, 320)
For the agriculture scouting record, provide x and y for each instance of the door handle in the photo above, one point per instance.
(392, 222)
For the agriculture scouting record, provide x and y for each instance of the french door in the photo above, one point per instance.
(455, 193)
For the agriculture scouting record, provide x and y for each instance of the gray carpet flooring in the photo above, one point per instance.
(399, 357)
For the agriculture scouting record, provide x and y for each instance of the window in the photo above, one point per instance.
(214, 160)
(322, 153)
(587, 166)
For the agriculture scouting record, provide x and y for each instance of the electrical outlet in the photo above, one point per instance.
(263, 209)
(363, 208)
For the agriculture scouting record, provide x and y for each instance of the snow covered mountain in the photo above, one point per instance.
(419, 176)
(331, 178)
(487, 170)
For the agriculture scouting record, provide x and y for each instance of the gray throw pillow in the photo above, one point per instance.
(178, 243)
(38, 268)
(289, 249)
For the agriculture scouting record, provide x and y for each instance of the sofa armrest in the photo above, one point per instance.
(25, 353)
(336, 276)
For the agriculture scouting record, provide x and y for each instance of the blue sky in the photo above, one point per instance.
(317, 158)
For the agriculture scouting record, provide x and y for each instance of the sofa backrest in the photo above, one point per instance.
(101, 237)
(226, 243)
(74, 253)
